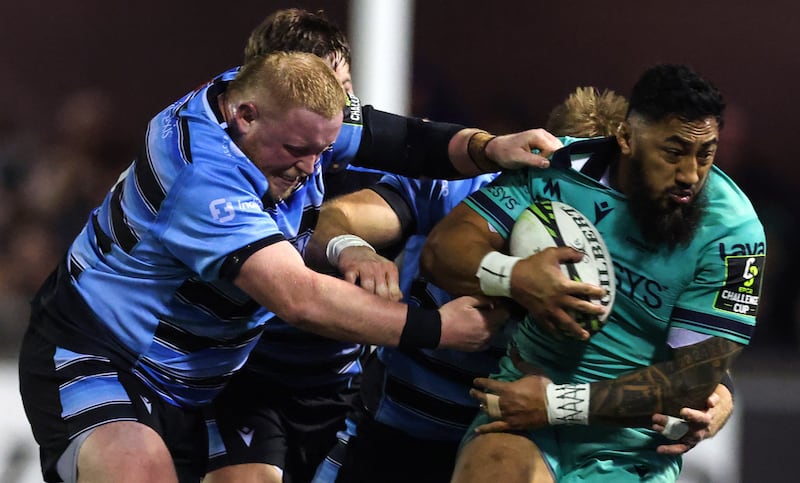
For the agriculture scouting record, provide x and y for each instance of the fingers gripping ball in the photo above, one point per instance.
(554, 224)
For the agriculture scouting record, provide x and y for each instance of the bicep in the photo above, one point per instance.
(455, 247)
(363, 213)
(274, 276)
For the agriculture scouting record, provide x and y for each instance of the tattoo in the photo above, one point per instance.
(685, 381)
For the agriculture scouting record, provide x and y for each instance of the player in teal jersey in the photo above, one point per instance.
(688, 252)
(413, 403)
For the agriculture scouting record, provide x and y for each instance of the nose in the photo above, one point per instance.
(688, 171)
(306, 164)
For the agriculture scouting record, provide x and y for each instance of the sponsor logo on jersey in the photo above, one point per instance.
(503, 197)
(639, 287)
(222, 210)
(742, 289)
(741, 249)
(352, 110)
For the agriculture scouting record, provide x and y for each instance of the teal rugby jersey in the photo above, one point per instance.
(712, 286)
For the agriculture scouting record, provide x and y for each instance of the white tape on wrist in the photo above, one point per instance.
(493, 406)
(567, 403)
(675, 428)
(494, 274)
(339, 243)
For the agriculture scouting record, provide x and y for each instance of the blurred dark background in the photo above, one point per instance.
(81, 79)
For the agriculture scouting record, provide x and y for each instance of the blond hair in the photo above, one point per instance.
(284, 80)
(587, 112)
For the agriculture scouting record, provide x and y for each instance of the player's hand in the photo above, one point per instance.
(539, 285)
(374, 273)
(521, 403)
(514, 151)
(469, 322)
(703, 424)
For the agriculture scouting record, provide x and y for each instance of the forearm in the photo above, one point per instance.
(408, 146)
(685, 381)
(343, 311)
(467, 151)
(364, 214)
(277, 279)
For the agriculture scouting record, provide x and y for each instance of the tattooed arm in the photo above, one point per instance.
(627, 401)
(685, 381)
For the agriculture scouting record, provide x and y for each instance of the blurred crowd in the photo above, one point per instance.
(53, 175)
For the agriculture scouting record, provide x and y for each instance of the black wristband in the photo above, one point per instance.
(727, 381)
(423, 329)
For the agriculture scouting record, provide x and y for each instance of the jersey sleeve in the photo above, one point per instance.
(213, 210)
(503, 200)
(723, 298)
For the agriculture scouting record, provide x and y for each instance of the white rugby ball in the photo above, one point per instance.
(554, 224)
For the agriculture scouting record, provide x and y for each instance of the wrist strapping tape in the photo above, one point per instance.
(675, 428)
(494, 274)
(567, 403)
(339, 243)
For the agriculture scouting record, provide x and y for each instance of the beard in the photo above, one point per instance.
(660, 219)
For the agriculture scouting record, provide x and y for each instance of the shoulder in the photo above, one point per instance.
(728, 205)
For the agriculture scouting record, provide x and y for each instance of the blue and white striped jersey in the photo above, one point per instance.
(151, 262)
(427, 391)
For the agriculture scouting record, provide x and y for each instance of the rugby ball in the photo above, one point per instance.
(554, 224)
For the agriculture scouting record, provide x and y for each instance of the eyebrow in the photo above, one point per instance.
(683, 142)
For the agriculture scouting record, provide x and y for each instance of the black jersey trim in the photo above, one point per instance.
(408, 395)
(153, 192)
(398, 203)
(121, 232)
(233, 263)
(185, 142)
(208, 298)
(183, 341)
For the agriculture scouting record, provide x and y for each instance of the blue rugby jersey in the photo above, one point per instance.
(148, 262)
(426, 392)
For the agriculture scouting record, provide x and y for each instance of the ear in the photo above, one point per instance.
(247, 111)
(624, 137)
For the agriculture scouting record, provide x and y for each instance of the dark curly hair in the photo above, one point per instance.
(675, 89)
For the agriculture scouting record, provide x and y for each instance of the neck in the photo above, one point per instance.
(222, 104)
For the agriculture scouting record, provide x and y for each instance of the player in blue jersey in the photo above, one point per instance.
(277, 418)
(415, 405)
(412, 402)
(165, 291)
(688, 252)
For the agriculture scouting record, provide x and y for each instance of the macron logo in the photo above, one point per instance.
(600, 211)
(246, 434)
(147, 404)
